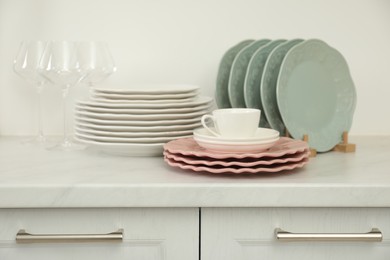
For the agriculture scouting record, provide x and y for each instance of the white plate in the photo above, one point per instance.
(138, 123)
(165, 129)
(144, 97)
(126, 139)
(125, 149)
(262, 135)
(157, 89)
(87, 130)
(193, 103)
(139, 117)
(141, 111)
(151, 101)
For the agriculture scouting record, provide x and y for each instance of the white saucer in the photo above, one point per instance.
(237, 143)
(262, 134)
(264, 139)
(236, 147)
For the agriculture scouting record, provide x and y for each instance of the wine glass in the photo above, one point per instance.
(97, 62)
(60, 65)
(26, 65)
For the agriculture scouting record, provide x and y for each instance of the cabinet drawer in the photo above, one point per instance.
(147, 233)
(249, 233)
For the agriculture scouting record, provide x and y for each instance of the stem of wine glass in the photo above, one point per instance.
(65, 91)
(40, 136)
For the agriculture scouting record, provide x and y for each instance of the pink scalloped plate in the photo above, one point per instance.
(239, 170)
(246, 162)
(188, 147)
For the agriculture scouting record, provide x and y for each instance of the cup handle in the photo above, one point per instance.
(203, 120)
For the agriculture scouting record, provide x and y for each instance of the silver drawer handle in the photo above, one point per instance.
(23, 237)
(375, 235)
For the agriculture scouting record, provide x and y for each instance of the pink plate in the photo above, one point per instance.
(221, 169)
(188, 147)
(246, 162)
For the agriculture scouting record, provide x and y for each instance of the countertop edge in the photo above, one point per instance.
(106, 197)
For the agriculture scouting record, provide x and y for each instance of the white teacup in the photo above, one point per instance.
(236, 123)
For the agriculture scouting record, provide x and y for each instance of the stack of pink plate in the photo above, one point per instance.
(285, 154)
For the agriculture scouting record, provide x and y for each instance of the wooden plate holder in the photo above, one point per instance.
(344, 146)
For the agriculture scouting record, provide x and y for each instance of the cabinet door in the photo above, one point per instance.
(147, 234)
(249, 233)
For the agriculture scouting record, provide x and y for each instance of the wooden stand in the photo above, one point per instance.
(287, 134)
(313, 152)
(344, 146)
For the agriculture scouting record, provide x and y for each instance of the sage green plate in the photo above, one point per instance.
(253, 77)
(315, 94)
(221, 91)
(269, 79)
(238, 71)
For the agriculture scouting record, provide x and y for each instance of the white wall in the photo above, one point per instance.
(180, 41)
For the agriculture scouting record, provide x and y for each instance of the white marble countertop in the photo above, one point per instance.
(34, 177)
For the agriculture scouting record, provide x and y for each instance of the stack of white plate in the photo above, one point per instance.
(138, 122)
(302, 87)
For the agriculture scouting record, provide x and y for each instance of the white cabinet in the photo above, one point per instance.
(249, 233)
(173, 233)
(148, 233)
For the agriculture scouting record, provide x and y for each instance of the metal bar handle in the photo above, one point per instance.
(375, 235)
(23, 237)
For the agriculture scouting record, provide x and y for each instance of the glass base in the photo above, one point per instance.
(67, 145)
(39, 140)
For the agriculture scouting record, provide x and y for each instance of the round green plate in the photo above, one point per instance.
(238, 71)
(253, 78)
(268, 85)
(315, 94)
(221, 91)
